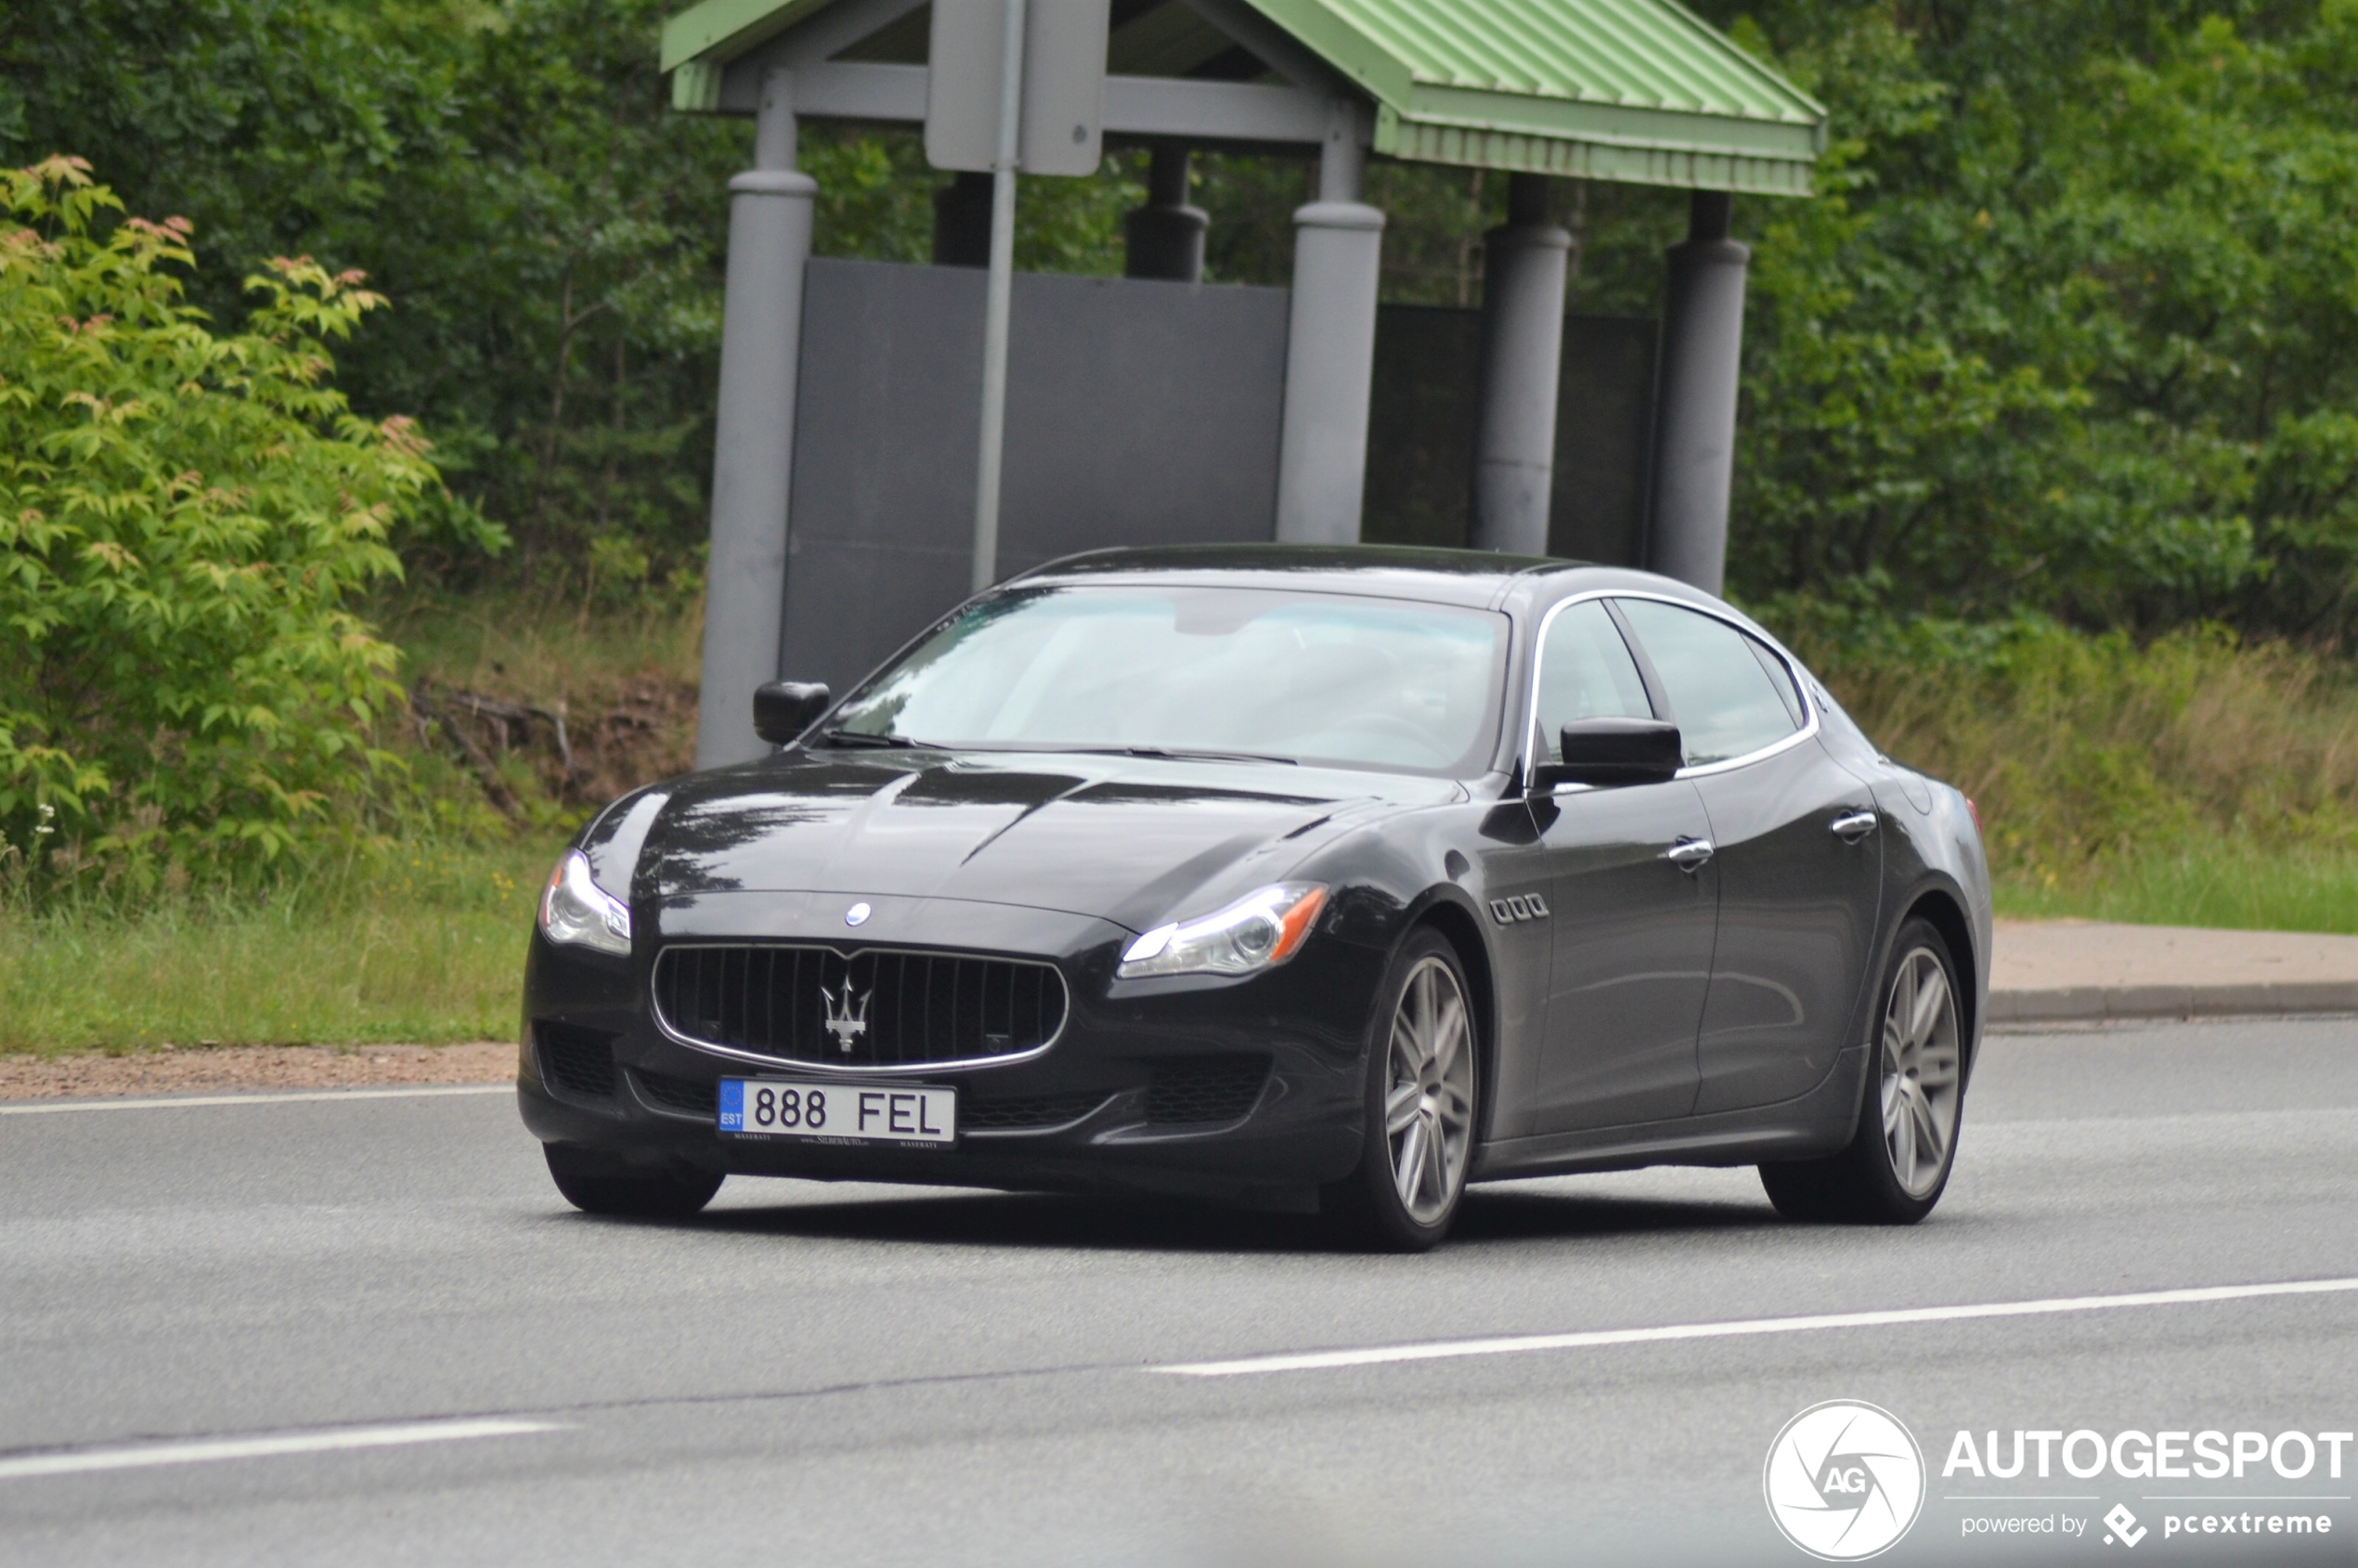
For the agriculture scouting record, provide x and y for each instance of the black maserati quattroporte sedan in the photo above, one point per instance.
(1321, 879)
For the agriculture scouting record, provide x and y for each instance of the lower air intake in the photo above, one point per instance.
(1026, 1115)
(577, 1061)
(1205, 1089)
(689, 1095)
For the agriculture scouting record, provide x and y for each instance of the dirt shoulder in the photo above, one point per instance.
(94, 1075)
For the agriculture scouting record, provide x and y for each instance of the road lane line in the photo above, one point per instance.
(143, 1455)
(1312, 1361)
(171, 1102)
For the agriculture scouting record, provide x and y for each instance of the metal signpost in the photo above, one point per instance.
(1026, 93)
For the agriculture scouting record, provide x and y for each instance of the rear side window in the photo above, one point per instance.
(1719, 683)
(1586, 671)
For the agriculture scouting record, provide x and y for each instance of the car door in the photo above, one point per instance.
(1632, 925)
(1796, 848)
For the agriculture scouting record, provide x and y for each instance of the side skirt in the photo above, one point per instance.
(1818, 1122)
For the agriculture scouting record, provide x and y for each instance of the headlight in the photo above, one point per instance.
(1260, 929)
(576, 910)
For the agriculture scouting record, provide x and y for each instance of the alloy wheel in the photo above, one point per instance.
(1429, 1103)
(1920, 1072)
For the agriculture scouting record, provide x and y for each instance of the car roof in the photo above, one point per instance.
(1453, 576)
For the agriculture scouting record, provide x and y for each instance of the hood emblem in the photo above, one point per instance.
(858, 914)
(846, 1016)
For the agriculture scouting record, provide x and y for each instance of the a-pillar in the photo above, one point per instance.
(1702, 334)
(1522, 334)
(1165, 237)
(770, 212)
(1330, 349)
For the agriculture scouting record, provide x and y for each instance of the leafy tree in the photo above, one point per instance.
(183, 518)
(2070, 326)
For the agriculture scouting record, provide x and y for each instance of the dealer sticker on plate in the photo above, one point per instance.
(883, 1113)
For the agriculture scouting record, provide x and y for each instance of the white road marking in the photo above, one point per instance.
(142, 1455)
(1313, 1361)
(179, 1102)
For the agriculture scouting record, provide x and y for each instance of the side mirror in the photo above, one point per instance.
(1614, 751)
(784, 709)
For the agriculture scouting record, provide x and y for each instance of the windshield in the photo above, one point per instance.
(1262, 672)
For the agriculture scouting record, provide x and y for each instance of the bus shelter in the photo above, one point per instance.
(1154, 408)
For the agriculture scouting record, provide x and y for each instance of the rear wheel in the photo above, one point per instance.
(1898, 1162)
(1421, 1099)
(605, 1184)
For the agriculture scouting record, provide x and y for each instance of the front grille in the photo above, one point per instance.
(1040, 1110)
(873, 1009)
(579, 1061)
(1205, 1088)
(698, 1097)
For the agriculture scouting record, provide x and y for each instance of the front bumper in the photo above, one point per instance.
(1247, 1091)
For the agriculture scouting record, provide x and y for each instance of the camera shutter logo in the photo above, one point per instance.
(1844, 1481)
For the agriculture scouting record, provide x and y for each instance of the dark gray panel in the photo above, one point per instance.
(1604, 440)
(1421, 428)
(1421, 432)
(1139, 412)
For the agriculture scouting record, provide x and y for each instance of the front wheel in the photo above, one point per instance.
(1420, 1107)
(1898, 1162)
(605, 1184)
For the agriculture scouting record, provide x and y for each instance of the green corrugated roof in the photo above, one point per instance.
(1637, 90)
(1634, 90)
(1653, 54)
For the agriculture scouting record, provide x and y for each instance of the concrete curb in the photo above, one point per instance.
(2101, 1003)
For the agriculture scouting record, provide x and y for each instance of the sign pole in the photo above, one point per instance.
(1002, 282)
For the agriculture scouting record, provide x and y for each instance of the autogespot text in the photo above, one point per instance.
(2140, 1456)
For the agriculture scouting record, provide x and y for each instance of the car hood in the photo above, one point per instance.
(1120, 838)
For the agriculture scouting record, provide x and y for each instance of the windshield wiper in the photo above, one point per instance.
(855, 739)
(1188, 753)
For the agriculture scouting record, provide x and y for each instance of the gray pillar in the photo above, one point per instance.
(1165, 237)
(769, 211)
(962, 222)
(1330, 351)
(1703, 333)
(1522, 335)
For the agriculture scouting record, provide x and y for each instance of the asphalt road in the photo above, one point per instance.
(367, 1330)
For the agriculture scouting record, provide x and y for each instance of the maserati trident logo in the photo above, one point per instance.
(847, 1014)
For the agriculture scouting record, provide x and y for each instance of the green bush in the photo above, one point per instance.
(183, 516)
(2092, 754)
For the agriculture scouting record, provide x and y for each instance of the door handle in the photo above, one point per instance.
(1689, 854)
(1851, 826)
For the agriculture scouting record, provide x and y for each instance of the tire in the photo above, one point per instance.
(605, 1184)
(1913, 1096)
(1422, 1106)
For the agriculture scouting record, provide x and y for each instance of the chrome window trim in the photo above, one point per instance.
(1531, 738)
(900, 1070)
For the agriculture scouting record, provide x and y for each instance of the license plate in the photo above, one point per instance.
(838, 1113)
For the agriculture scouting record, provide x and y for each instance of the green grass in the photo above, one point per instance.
(2223, 885)
(537, 647)
(429, 948)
